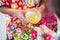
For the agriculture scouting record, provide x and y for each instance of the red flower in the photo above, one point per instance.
(32, 38)
(20, 22)
(26, 27)
(47, 37)
(42, 21)
(33, 32)
(50, 27)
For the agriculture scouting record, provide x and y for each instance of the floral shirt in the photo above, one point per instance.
(48, 17)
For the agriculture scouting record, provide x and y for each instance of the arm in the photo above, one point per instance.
(6, 10)
(41, 8)
(41, 5)
(16, 12)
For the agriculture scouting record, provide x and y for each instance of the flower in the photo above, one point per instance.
(42, 21)
(47, 37)
(50, 27)
(26, 27)
(29, 25)
(32, 38)
(33, 32)
(16, 38)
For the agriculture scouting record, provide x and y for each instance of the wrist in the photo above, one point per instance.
(40, 32)
(14, 12)
(51, 32)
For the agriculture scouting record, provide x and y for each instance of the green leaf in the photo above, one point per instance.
(26, 31)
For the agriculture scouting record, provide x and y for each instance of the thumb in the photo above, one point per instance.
(41, 8)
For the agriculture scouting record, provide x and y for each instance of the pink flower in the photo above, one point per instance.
(47, 37)
(26, 27)
(50, 27)
(42, 21)
(32, 38)
(20, 22)
(33, 32)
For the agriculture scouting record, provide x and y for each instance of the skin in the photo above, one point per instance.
(19, 13)
(39, 31)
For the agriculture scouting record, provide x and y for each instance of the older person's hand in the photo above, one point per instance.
(47, 30)
(40, 33)
(39, 30)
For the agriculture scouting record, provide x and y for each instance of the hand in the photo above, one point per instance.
(47, 30)
(41, 8)
(39, 30)
(16, 12)
(20, 14)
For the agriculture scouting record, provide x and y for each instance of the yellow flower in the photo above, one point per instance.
(20, 3)
(14, 5)
(29, 25)
(33, 16)
(16, 38)
(24, 7)
(32, 19)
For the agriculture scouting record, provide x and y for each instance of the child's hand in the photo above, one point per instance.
(41, 8)
(16, 12)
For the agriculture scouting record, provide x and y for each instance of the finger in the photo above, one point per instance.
(43, 26)
(24, 19)
(41, 8)
(36, 28)
(46, 29)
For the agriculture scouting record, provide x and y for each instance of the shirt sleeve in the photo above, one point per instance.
(2, 26)
(56, 36)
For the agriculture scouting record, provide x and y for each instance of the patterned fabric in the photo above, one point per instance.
(51, 20)
(48, 17)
